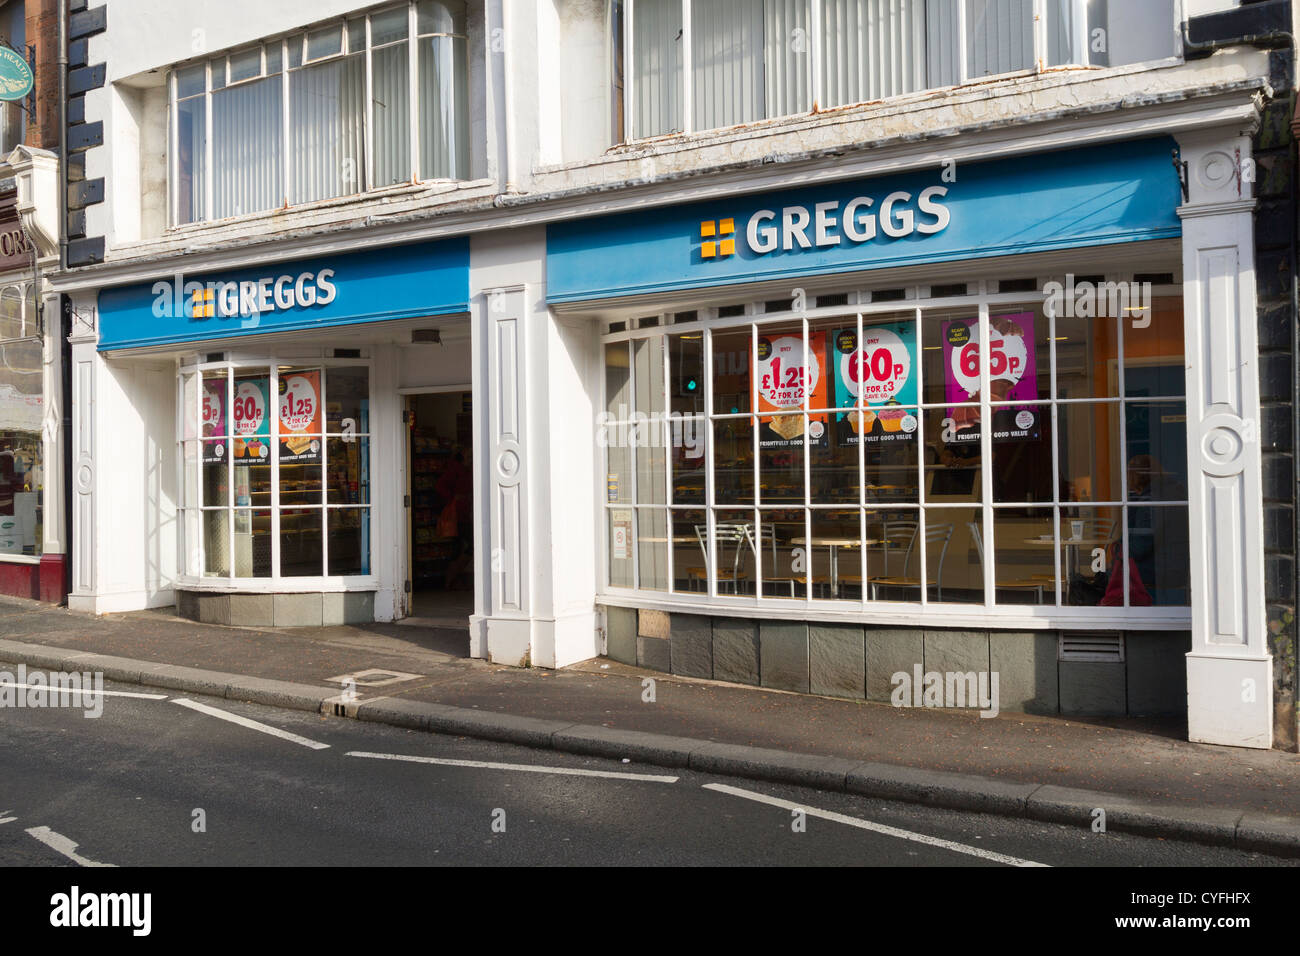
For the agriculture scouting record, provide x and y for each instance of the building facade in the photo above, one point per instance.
(797, 343)
(33, 539)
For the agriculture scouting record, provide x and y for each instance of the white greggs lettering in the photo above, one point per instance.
(826, 224)
(176, 298)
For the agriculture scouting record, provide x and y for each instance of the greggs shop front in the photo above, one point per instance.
(240, 436)
(937, 420)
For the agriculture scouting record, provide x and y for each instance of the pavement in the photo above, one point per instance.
(1143, 773)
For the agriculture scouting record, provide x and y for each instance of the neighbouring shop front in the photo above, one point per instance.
(930, 422)
(243, 436)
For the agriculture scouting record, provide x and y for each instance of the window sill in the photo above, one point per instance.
(20, 559)
(1010, 617)
(278, 585)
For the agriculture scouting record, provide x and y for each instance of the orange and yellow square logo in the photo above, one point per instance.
(718, 238)
(203, 303)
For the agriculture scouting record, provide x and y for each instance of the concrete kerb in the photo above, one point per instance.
(1258, 832)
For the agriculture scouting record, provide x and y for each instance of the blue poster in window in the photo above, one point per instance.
(878, 376)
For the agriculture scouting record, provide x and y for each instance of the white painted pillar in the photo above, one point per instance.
(85, 371)
(1229, 669)
(535, 569)
(53, 520)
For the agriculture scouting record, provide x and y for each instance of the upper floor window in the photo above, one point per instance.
(357, 104)
(704, 64)
(13, 119)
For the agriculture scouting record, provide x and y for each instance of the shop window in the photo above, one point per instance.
(750, 60)
(22, 465)
(276, 471)
(361, 104)
(990, 453)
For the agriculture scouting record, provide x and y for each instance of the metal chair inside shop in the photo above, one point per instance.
(735, 534)
(936, 535)
(766, 535)
(1035, 584)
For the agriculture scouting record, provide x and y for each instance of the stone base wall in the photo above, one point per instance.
(858, 661)
(277, 610)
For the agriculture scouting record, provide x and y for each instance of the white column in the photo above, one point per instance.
(1229, 669)
(53, 519)
(85, 369)
(533, 377)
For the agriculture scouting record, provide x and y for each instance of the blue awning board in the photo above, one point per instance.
(1099, 195)
(374, 285)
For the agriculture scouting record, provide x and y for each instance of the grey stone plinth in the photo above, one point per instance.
(956, 651)
(783, 655)
(620, 634)
(691, 645)
(1025, 663)
(837, 660)
(297, 610)
(252, 610)
(348, 607)
(653, 653)
(1156, 671)
(888, 652)
(735, 650)
(214, 608)
(1092, 688)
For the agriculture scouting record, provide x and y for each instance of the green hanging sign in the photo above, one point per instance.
(16, 79)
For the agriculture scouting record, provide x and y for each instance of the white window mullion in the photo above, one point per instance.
(629, 74)
(814, 46)
(173, 163)
(324, 476)
(710, 554)
(274, 412)
(962, 66)
(230, 472)
(1040, 34)
(688, 117)
(208, 211)
(413, 109)
(985, 358)
(369, 134)
(286, 168)
(669, 446)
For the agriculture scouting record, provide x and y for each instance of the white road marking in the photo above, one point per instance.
(874, 827)
(62, 845)
(251, 724)
(5, 819)
(526, 767)
(86, 692)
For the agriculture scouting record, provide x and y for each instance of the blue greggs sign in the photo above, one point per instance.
(1099, 195)
(430, 278)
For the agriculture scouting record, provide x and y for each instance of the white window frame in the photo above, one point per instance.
(1079, 53)
(275, 582)
(366, 170)
(989, 612)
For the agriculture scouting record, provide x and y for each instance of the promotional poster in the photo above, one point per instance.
(878, 378)
(1013, 377)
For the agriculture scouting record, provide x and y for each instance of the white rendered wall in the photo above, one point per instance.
(126, 542)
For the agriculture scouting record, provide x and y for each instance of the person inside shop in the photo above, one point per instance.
(456, 489)
(1152, 532)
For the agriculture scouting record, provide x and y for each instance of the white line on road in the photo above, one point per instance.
(4, 819)
(86, 692)
(874, 827)
(251, 724)
(62, 845)
(526, 767)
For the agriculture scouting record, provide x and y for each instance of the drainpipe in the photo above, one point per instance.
(1274, 39)
(63, 135)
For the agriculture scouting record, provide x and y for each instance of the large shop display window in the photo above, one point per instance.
(276, 462)
(22, 406)
(987, 453)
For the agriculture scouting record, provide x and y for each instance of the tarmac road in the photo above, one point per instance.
(125, 788)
